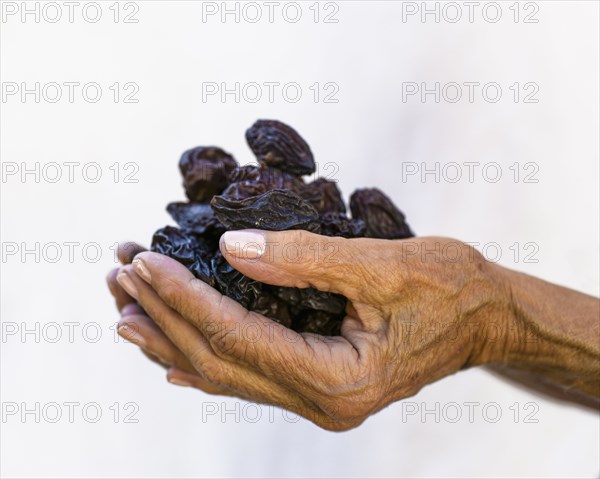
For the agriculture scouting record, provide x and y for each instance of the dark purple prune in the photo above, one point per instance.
(278, 145)
(205, 171)
(243, 189)
(198, 218)
(324, 196)
(233, 284)
(273, 308)
(252, 180)
(319, 322)
(310, 298)
(382, 218)
(190, 250)
(274, 210)
(338, 224)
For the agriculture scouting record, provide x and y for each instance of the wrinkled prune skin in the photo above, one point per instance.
(310, 298)
(234, 284)
(338, 224)
(198, 218)
(271, 196)
(324, 196)
(277, 145)
(190, 250)
(275, 210)
(382, 218)
(319, 322)
(205, 171)
(249, 180)
(274, 308)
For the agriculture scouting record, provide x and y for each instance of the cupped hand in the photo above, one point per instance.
(418, 310)
(137, 327)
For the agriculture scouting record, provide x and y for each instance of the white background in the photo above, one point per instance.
(368, 133)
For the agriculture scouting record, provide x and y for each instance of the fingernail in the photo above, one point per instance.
(130, 334)
(127, 284)
(141, 269)
(248, 244)
(131, 309)
(179, 382)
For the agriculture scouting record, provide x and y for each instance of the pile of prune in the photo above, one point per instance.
(271, 196)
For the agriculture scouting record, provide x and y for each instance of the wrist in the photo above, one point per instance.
(496, 330)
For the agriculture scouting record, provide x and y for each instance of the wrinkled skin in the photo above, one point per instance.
(382, 218)
(278, 145)
(403, 306)
(205, 171)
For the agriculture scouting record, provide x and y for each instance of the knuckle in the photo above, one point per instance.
(357, 397)
(334, 425)
(211, 371)
(225, 342)
(170, 291)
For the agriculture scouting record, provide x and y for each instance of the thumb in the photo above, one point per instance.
(295, 258)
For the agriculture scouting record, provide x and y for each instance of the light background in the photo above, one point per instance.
(369, 53)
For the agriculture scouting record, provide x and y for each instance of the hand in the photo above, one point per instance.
(418, 310)
(136, 326)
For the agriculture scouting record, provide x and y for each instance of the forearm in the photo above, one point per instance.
(557, 346)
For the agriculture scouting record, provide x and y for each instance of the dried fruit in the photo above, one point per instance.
(205, 171)
(277, 145)
(272, 196)
(324, 196)
(191, 251)
(274, 210)
(338, 224)
(198, 218)
(382, 218)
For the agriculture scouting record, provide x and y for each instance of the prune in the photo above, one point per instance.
(338, 224)
(274, 308)
(273, 196)
(319, 322)
(191, 251)
(250, 180)
(277, 145)
(324, 196)
(381, 217)
(274, 210)
(205, 171)
(310, 298)
(234, 284)
(198, 218)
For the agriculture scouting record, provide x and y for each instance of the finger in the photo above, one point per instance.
(122, 299)
(243, 382)
(234, 333)
(155, 359)
(179, 377)
(142, 331)
(355, 268)
(127, 251)
(182, 378)
(299, 259)
(181, 333)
